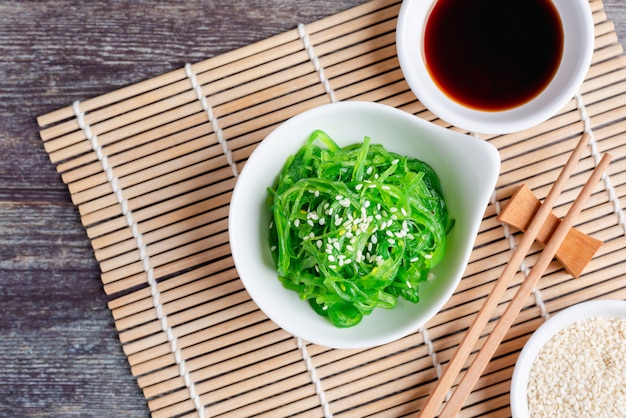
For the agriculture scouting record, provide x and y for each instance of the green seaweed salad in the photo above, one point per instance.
(355, 228)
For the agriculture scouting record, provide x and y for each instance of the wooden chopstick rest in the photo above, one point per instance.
(577, 249)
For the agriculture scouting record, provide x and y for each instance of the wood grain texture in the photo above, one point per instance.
(59, 352)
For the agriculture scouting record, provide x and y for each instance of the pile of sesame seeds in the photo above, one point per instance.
(581, 372)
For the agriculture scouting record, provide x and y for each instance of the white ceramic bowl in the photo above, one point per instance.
(467, 167)
(543, 334)
(578, 33)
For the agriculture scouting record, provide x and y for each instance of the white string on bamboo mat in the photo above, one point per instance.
(596, 156)
(431, 350)
(433, 355)
(314, 378)
(220, 137)
(316, 62)
(523, 267)
(212, 118)
(143, 255)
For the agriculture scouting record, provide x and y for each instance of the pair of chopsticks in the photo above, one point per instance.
(475, 370)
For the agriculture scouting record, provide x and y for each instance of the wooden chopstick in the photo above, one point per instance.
(457, 361)
(454, 405)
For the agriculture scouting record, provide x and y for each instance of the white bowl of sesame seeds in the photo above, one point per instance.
(467, 167)
(574, 365)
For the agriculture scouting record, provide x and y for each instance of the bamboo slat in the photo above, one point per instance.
(190, 331)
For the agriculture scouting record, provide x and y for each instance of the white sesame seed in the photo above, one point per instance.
(367, 203)
(317, 193)
(273, 248)
(369, 170)
(414, 259)
(322, 221)
(374, 239)
(358, 187)
(408, 284)
(389, 233)
(385, 187)
(338, 197)
(391, 241)
(319, 243)
(296, 222)
(310, 222)
(331, 258)
(404, 213)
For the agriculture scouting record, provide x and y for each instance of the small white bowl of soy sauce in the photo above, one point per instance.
(493, 66)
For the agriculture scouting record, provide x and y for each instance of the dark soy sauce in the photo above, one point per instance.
(493, 54)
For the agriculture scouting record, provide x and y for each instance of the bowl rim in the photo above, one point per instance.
(488, 156)
(578, 46)
(612, 308)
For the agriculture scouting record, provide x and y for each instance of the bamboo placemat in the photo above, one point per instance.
(151, 168)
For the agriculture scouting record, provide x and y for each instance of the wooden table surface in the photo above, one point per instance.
(59, 351)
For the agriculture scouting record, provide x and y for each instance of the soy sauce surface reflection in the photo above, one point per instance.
(493, 54)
